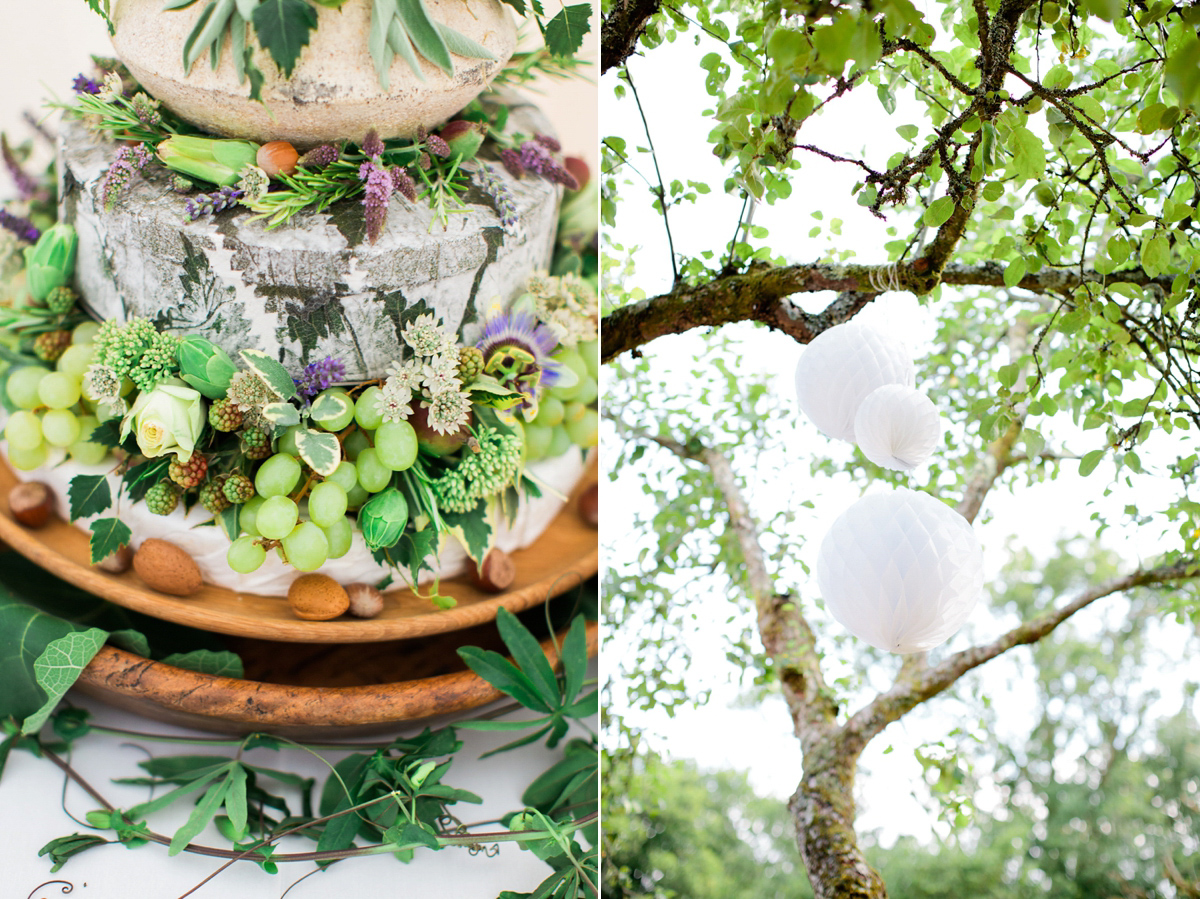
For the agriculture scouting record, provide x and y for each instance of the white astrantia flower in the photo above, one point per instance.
(440, 374)
(448, 411)
(394, 401)
(407, 374)
(427, 337)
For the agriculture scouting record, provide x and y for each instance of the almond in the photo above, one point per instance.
(167, 568)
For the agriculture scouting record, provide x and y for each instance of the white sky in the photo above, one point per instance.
(757, 738)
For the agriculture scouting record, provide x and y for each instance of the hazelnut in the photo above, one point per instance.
(317, 597)
(497, 572)
(277, 157)
(365, 600)
(31, 503)
(167, 568)
(589, 505)
(118, 562)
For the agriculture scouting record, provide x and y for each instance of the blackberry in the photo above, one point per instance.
(224, 416)
(190, 473)
(51, 345)
(162, 498)
(470, 363)
(212, 495)
(239, 488)
(61, 299)
(256, 443)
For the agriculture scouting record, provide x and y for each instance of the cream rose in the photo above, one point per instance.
(167, 419)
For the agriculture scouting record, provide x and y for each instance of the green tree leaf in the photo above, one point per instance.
(283, 27)
(222, 664)
(564, 33)
(89, 495)
(939, 212)
(108, 535)
(58, 667)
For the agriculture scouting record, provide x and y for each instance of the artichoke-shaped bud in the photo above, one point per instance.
(205, 366)
(383, 518)
(221, 162)
(50, 262)
(464, 138)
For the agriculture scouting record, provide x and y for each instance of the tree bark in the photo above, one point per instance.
(621, 28)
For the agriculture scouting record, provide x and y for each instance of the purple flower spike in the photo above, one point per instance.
(26, 186)
(372, 146)
(22, 227)
(375, 200)
(85, 85)
(320, 376)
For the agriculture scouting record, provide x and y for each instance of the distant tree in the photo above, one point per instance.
(1042, 206)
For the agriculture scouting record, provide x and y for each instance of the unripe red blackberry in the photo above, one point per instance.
(51, 345)
(224, 416)
(239, 488)
(190, 473)
(256, 443)
(162, 498)
(212, 496)
(61, 299)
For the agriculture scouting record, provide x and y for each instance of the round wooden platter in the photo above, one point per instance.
(306, 692)
(563, 557)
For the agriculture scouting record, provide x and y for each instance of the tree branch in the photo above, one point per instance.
(905, 695)
(760, 294)
(621, 28)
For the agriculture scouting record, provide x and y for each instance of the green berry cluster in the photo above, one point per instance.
(480, 473)
(162, 498)
(137, 350)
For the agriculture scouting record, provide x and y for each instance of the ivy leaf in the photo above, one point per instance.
(108, 535)
(518, 5)
(564, 33)
(58, 667)
(274, 374)
(206, 661)
(416, 549)
(471, 529)
(89, 495)
(284, 27)
(320, 450)
(281, 415)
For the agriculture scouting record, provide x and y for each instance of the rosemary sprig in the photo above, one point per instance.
(318, 189)
(119, 117)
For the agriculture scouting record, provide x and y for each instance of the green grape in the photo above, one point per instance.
(84, 450)
(76, 360)
(245, 556)
(345, 475)
(24, 430)
(276, 517)
(574, 412)
(354, 444)
(396, 445)
(356, 497)
(277, 476)
(334, 422)
(572, 360)
(306, 547)
(59, 390)
(585, 431)
(537, 441)
(249, 515)
(590, 351)
(126, 387)
(560, 442)
(340, 535)
(550, 412)
(373, 475)
(22, 387)
(588, 391)
(28, 459)
(60, 427)
(85, 333)
(287, 441)
(366, 410)
(327, 503)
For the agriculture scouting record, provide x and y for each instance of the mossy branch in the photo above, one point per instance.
(621, 28)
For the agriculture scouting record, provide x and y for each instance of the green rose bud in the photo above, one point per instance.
(205, 366)
(167, 419)
(50, 262)
(464, 138)
(219, 161)
(383, 518)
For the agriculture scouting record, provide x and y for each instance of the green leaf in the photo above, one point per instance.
(58, 667)
(564, 33)
(471, 529)
(504, 676)
(274, 374)
(206, 661)
(574, 659)
(64, 847)
(284, 27)
(201, 815)
(330, 406)
(230, 521)
(399, 43)
(235, 800)
(423, 32)
(145, 475)
(89, 495)
(281, 415)
(527, 653)
(463, 45)
(1182, 72)
(1028, 154)
(939, 212)
(320, 449)
(1014, 272)
(108, 535)
(1089, 462)
(1156, 255)
(412, 835)
(382, 13)
(1007, 374)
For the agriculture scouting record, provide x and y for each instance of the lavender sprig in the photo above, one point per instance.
(85, 85)
(22, 227)
(375, 199)
(493, 185)
(129, 161)
(207, 204)
(320, 376)
(536, 157)
(26, 186)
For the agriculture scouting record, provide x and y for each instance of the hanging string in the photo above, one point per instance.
(885, 278)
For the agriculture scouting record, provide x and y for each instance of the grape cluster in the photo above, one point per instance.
(311, 532)
(567, 415)
(51, 410)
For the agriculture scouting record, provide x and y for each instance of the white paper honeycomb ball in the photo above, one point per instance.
(897, 427)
